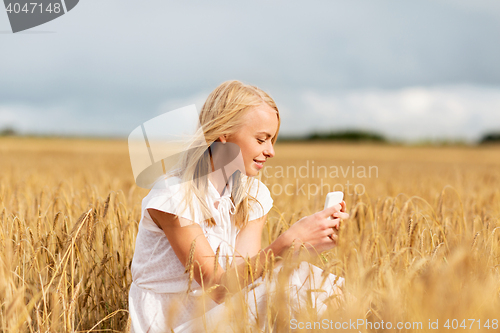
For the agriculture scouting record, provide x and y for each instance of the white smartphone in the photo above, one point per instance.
(333, 198)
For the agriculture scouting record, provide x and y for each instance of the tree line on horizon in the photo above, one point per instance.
(352, 135)
(369, 136)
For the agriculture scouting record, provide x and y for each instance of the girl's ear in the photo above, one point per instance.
(222, 138)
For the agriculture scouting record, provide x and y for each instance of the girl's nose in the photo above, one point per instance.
(269, 152)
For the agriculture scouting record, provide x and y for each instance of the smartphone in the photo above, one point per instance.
(333, 198)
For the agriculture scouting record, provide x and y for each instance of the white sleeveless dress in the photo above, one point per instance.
(158, 298)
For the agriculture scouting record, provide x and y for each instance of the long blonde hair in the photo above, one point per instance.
(222, 114)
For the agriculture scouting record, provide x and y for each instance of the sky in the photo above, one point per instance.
(410, 70)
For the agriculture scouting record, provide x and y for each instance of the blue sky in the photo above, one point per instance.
(411, 70)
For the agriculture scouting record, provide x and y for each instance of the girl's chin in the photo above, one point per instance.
(251, 172)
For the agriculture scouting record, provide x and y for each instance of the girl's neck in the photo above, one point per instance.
(225, 160)
(218, 176)
(219, 180)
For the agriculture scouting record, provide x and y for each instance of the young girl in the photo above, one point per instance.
(200, 223)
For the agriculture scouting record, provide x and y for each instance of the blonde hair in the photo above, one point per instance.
(222, 114)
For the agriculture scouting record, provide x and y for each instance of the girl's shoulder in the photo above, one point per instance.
(168, 195)
(170, 187)
(164, 181)
(259, 191)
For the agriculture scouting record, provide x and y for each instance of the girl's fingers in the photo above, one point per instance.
(333, 237)
(341, 215)
(337, 218)
(332, 223)
(330, 210)
(333, 231)
(341, 207)
(337, 224)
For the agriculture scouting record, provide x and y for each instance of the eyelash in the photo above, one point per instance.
(261, 141)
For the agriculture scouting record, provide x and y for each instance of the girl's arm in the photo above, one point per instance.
(248, 241)
(313, 231)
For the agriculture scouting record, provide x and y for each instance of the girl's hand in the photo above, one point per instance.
(318, 230)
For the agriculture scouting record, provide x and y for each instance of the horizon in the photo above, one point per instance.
(290, 138)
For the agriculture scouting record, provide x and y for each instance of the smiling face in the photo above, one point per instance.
(260, 125)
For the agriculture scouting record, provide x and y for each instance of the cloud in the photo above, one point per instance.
(411, 113)
(59, 119)
(441, 112)
(176, 103)
(132, 52)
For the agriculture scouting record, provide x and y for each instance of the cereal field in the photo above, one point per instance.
(422, 244)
